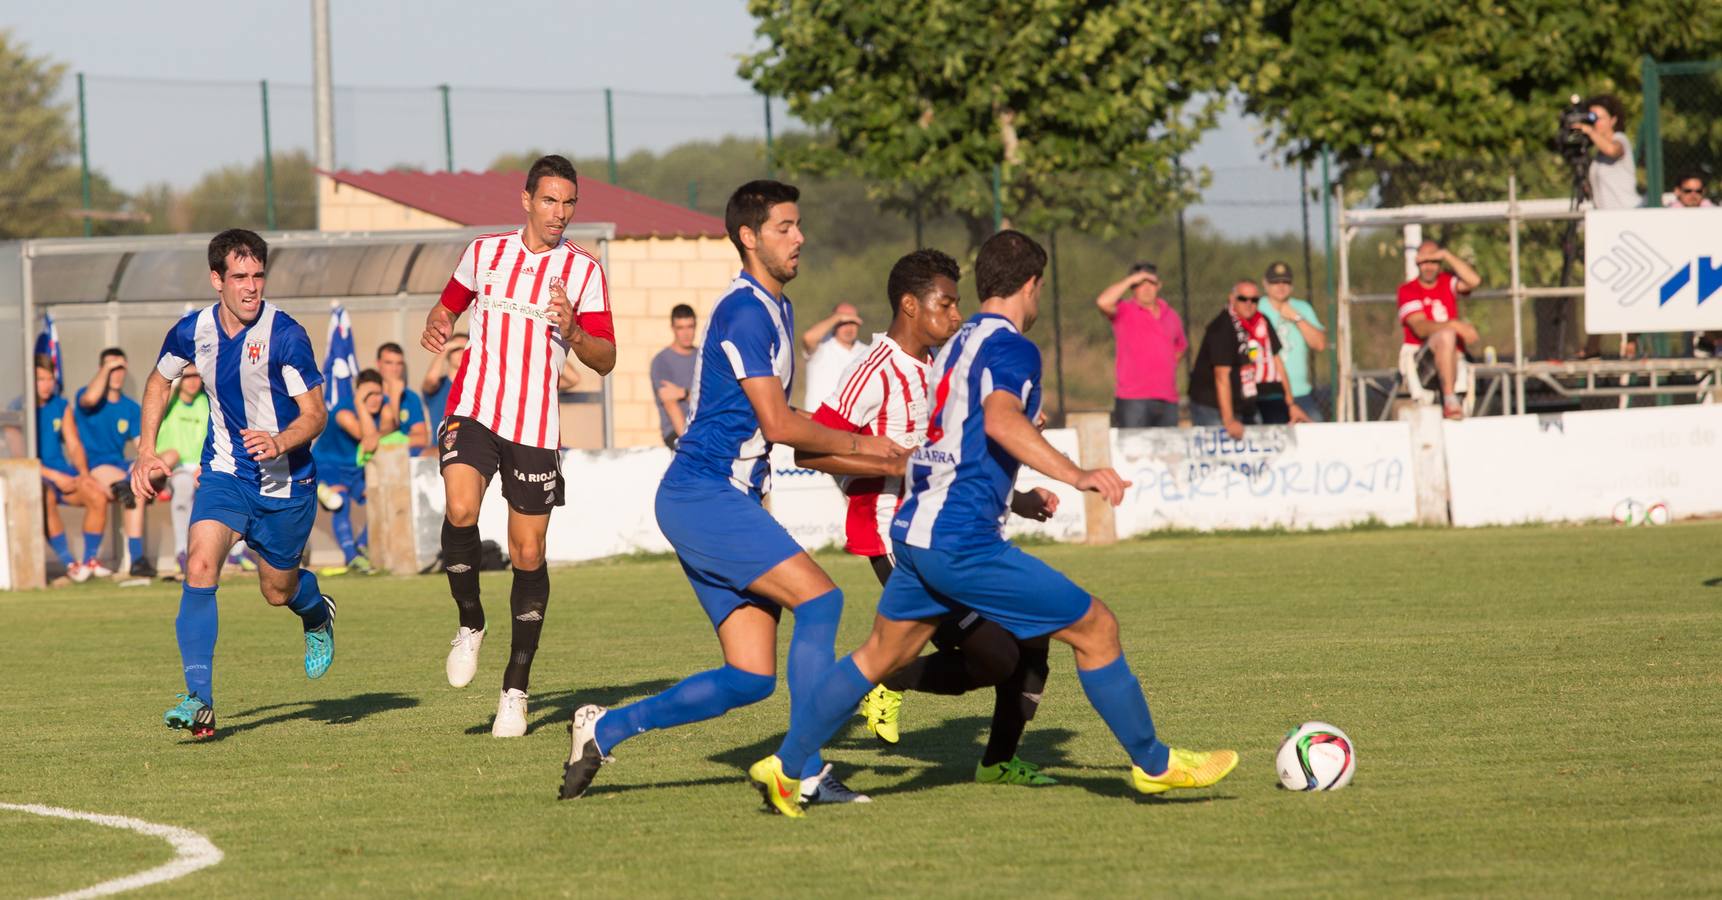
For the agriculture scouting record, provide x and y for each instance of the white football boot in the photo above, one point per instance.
(510, 714)
(463, 656)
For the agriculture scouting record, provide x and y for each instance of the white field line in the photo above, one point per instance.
(192, 851)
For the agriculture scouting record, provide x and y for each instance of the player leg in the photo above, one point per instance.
(277, 534)
(221, 513)
(469, 457)
(1016, 700)
(532, 485)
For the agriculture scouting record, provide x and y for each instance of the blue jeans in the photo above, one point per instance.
(1311, 406)
(1209, 416)
(1144, 413)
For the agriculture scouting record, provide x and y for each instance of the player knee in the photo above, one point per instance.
(991, 654)
(461, 514)
(745, 688)
(1098, 629)
(200, 572)
(526, 556)
(279, 594)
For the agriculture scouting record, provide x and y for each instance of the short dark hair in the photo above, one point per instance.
(245, 244)
(369, 376)
(751, 205)
(1611, 103)
(390, 347)
(914, 274)
(553, 166)
(44, 362)
(1691, 174)
(111, 351)
(682, 311)
(1006, 262)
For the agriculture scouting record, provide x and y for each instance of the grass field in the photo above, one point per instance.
(1537, 711)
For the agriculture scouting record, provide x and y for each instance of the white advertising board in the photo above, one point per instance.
(1298, 476)
(1578, 466)
(1653, 270)
(608, 511)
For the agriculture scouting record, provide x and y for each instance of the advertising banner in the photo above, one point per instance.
(1653, 270)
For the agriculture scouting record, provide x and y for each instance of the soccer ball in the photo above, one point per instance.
(1316, 756)
(1629, 512)
(1657, 514)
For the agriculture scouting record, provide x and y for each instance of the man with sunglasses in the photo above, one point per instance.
(1238, 377)
(1429, 312)
(1689, 192)
(1150, 344)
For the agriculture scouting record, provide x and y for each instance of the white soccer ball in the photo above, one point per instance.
(1656, 514)
(1629, 512)
(1316, 756)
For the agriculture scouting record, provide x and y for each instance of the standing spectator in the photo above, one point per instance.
(1689, 192)
(438, 380)
(179, 441)
(1613, 180)
(673, 375)
(1150, 343)
(1300, 333)
(108, 422)
(1237, 377)
(1434, 334)
(411, 424)
(831, 344)
(354, 431)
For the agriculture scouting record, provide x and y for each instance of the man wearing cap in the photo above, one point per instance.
(1150, 344)
(1300, 333)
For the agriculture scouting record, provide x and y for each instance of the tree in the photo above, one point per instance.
(234, 197)
(38, 175)
(1080, 105)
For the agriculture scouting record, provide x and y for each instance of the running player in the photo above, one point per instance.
(502, 414)
(259, 484)
(885, 392)
(744, 567)
(951, 556)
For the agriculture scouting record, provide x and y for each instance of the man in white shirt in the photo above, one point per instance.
(831, 344)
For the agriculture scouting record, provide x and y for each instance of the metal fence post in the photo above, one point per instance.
(1327, 263)
(770, 162)
(1650, 134)
(610, 131)
(1057, 330)
(998, 199)
(84, 158)
(447, 130)
(268, 163)
(1183, 255)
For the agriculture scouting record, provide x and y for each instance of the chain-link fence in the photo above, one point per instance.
(1682, 126)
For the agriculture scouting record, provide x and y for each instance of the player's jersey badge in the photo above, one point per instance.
(254, 350)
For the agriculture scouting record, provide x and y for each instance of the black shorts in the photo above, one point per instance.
(531, 476)
(953, 630)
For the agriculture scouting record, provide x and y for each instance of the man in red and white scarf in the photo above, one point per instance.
(1238, 377)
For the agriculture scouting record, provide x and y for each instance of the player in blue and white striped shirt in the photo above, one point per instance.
(259, 484)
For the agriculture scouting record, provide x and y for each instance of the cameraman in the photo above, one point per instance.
(1613, 181)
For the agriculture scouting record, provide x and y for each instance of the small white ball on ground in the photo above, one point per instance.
(1628, 512)
(1656, 514)
(1315, 756)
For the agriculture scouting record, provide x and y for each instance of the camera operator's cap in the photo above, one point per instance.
(1277, 272)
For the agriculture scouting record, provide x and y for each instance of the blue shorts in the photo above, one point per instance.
(51, 488)
(352, 479)
(1001, 583)
(725, 540)
(276, 527)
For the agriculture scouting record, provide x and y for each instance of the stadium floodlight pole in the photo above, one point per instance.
(610, 131)
(323, 89)
(84, 158)
(447, 130)
(268, 163)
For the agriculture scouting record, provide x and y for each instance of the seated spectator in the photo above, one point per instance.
(1300, 332)
(108, 424)
(412, 426)
(673, 375)
(348, 441)
(831, 344)
(1433, 354)
(438, 380)
(66, 478)
(180, 441)
(1149, 344)
(1238, 376)
(1689, 192)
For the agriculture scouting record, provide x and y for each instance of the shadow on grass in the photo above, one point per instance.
(1713, 582)
(556, 707)
(330, 711)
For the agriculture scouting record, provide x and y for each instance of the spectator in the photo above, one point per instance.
(438, 380)
(1435, 335)
(831, 344)
(1300, 333)
(352, 435)
(1149, 344)
(1237, 377)
(1613, 180)
(673, 375)
(1689, 192)
(412, 426)
(108, 422)
(179, 442)
(65, 473)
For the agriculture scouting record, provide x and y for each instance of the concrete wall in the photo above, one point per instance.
(342, 207)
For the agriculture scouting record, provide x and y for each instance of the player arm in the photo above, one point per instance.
(835, 464)
(781, 425)
(313, 416)
(157, 390)
(1009, 428)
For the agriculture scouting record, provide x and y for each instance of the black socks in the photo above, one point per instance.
(460, 553)
(527, 600)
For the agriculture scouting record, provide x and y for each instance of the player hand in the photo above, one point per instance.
(879, 445)
(1235, 429)
(1038, 504)
(561, 312)
(1104, 482)
(1040, 420)
(438, 325)
(144, 471)
(261, 444)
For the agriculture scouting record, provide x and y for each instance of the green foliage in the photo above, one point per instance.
(39, 185)
(1082, 105)
(234, 197)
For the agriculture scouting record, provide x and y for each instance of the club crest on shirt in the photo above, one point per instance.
(448, 435)
(254, 350)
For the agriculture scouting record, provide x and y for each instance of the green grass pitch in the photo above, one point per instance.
(1537, 711)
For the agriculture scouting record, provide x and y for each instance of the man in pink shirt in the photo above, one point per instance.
(1151, 342)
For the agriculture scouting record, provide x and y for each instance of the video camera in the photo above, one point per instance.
(1573, 144)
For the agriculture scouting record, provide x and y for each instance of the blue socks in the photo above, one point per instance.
(62, 549)
(1117, 696)
(134, 548)
(364, 541)
(341, 522)
(696, 698)
(812, 649)
(308, 603)
(92, 545)
(196, 627)
(814, 721)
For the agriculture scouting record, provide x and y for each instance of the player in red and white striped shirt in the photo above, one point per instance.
(885, 392)
(535, 297)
